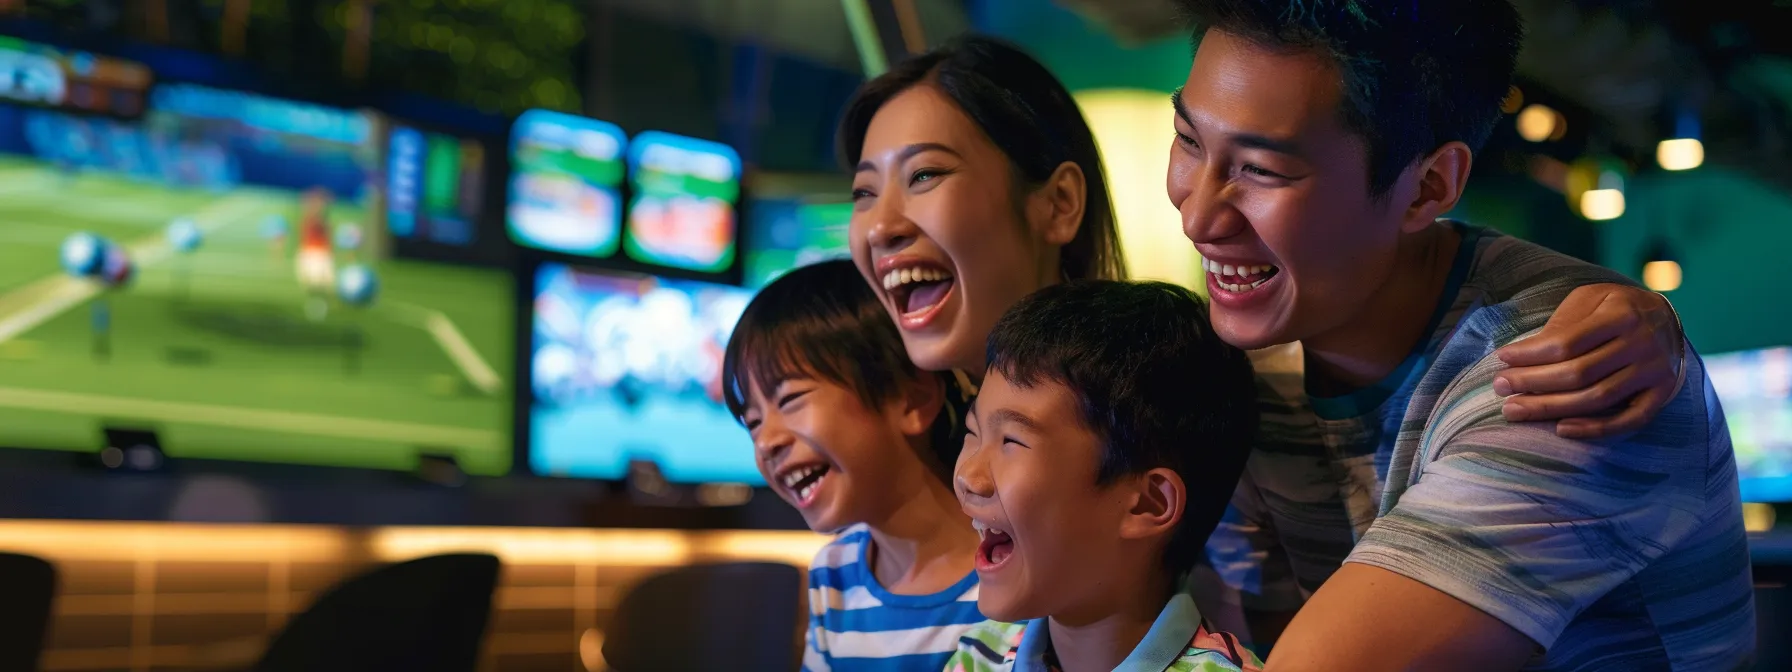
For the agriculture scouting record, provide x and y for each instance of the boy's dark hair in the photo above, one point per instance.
(1026, 112)
(823, 321)
(1415, 74)
(1155, 383)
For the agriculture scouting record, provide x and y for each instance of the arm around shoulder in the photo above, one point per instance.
(1497, 541)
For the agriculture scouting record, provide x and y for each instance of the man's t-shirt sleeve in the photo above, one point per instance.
(1246, 553)
(1525, 525)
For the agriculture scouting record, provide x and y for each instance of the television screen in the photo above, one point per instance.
(782, 235)
(216, 274)
(628, 368)
(435, 187)
(73, 80)
(566, 183)
(685, 194)
(1755, 388)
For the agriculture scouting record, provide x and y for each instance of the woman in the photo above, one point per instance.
(976, 181)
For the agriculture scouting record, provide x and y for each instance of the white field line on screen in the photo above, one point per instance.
(249, 418)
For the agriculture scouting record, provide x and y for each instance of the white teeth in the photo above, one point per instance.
(983, 531)
(1228, 270)
(797, 476)
(903, 276)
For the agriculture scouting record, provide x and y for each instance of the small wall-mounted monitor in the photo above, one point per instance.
(627, 368)
(685, 205)
(435, 186)
(566, 183)
(1755, 388)
(787, 234)
(36, 74)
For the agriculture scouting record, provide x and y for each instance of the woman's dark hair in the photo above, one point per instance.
(822, 321)
(1026, 112)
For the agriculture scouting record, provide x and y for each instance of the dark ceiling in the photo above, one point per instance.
(1627, 64)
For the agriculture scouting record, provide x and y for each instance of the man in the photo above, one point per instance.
(1389, 501)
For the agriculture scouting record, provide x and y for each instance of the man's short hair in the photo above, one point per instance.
(1415, 75)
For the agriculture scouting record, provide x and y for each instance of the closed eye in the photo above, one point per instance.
(1261, 171)
(1184, 139)
(791, 397)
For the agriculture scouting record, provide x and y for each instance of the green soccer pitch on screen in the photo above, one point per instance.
(218, 272)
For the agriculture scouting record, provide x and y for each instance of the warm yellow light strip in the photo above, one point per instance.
(98, 540)
(80, 540)
(535, 546)
(601, 547)
(796, 548)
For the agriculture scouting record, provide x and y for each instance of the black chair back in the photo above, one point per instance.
(27, 591)
(1773, 617)
(741, 616)
(424, 614)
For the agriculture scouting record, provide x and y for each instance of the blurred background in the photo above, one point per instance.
(293, 290)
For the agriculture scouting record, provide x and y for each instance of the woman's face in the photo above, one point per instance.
(939, 232)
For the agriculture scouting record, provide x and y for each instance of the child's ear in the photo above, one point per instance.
(1157, 498)
(922, 396)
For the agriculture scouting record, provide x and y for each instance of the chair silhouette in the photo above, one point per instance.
(423, 614)
(29, 586)
(1773, 616)
(702, 617)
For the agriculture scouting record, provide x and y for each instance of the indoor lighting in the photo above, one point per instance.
(1680, 154)
(1602, 204)
(1662, 276)
(536, 546)
(160, 541)
(1661, 271)
(796, 548)
(1133, 129)
(1537, 123)
(1514, 100)
(1757, 517)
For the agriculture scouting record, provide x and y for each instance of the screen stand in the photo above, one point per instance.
(126, 449)
(647, 486)
(440, 470)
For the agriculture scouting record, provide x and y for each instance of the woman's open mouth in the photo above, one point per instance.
(918, 292)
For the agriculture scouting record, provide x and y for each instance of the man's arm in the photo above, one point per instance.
(1489, 549)
(1370, 618)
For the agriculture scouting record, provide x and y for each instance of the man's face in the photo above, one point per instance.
(1027, 479)
(1274, 193)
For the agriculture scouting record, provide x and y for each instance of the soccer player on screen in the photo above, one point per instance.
(316, 262)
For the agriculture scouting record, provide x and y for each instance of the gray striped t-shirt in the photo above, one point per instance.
(1614, 555)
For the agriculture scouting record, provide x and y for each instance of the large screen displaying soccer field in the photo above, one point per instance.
(217, 272)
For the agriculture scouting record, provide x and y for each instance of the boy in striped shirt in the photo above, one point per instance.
(1110, 431)
(860, 441)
